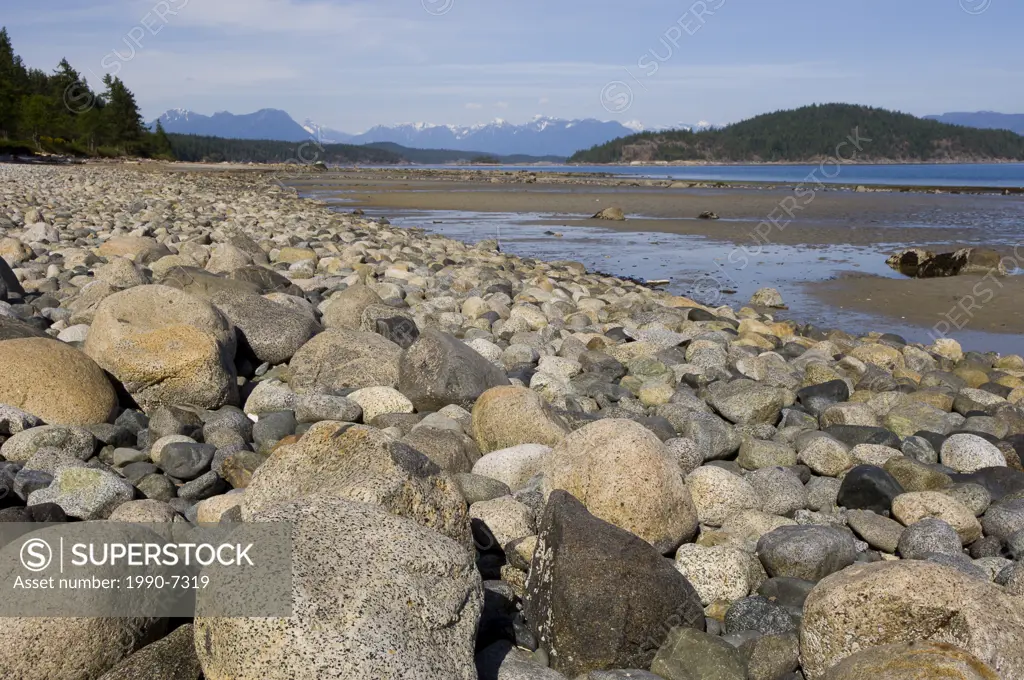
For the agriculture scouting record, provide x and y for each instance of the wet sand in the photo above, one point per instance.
(828, 217)
(958, 303)
(831, 222)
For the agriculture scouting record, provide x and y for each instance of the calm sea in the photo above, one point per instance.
(941, 175)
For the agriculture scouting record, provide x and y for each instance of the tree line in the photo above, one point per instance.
(60, 112)
(199, 148)
(811, 133)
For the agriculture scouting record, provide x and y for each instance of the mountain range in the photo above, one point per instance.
(541, 136)
(984, 119)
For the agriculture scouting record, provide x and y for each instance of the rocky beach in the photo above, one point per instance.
(494, 467)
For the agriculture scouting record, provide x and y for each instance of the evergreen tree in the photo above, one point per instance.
(161, 144)
(35, 116)
(12, 86)
(121, 114)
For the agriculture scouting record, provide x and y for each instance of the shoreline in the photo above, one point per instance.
(834, 222)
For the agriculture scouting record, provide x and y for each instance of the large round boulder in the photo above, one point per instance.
(363, 464)
(623, 474)
(504, 417)
(166, 347)
(272, 332)
(345, 308)
(868, 605)
(439, 370)
(373, 596)
(59, 646)
(341, 359)
(55, 382)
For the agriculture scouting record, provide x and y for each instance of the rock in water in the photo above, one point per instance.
(908, 261)
(166, 347)
(610, 213)
(55, 382)
(767, 297)
(374, 596)
(624, 474)
(886, 603)
(363, 464)
(598, 597)
(439, 370)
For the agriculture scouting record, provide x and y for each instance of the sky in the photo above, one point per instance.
(350, 64)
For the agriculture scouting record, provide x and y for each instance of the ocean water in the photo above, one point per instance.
(1006, 175)
(696, 267)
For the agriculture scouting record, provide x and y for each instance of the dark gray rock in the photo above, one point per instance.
(134, 472)
(598, 597)
(202, 488)
(186, 460)
(1003, 519)
(157, 487)
(169, 420)
(929, 535)
(502, 661)
(851, 435)
(439, 370)
(760, 614)
(867, 487)
(9, 285)
(817, 398)
(806, 552)
(789, 592)
(400, 330)
(268, 330)
(272, 428)
(960, 562)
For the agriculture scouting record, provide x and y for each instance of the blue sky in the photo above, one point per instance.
(350, 65)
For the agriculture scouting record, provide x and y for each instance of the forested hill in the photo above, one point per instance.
(59, 112)
(195, 148)
(812, 133)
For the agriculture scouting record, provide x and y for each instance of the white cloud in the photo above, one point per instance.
(501, 105)
(474, 105)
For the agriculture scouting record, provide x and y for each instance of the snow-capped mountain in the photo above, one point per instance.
(539, 137)
(325, 135)
(263, 124)
(542, 136)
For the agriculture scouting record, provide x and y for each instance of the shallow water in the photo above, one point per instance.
(1010, 175)
(712, 272)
